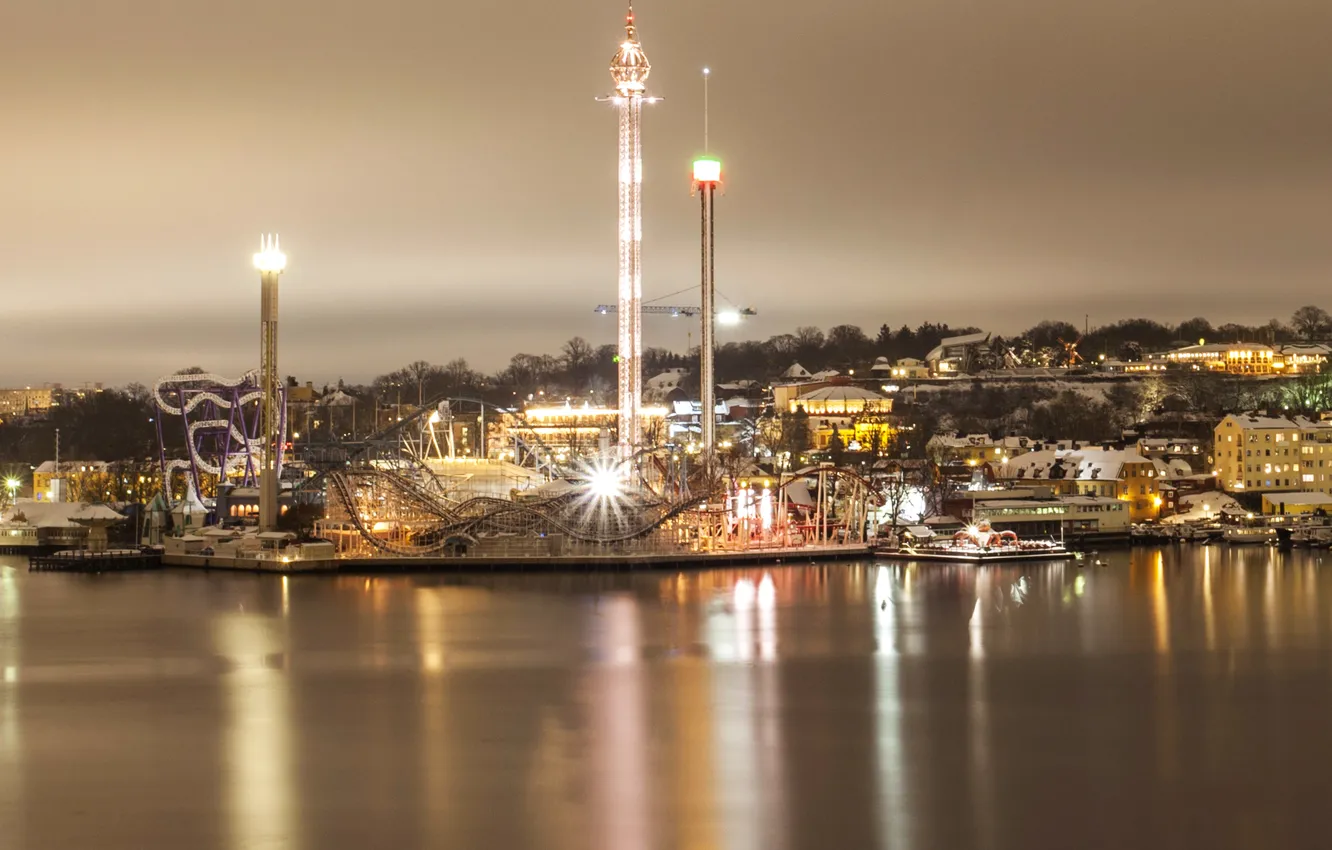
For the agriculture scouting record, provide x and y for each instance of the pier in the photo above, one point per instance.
(87, 561)
(618, 562)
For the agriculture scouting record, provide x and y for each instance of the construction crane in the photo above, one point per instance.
(726, 317)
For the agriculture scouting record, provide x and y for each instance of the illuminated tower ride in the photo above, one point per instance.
(270, 261)
(707, 177)
(629, 69)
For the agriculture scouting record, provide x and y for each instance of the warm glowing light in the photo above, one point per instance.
(605, 482)
(536, 414)
(707, 170)
(270, 257)
(728, 317)
(12, 483)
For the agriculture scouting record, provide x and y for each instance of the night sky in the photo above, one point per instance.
(444, 182)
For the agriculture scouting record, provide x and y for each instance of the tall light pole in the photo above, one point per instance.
(707, 177)
(270, 261)
(629, 70)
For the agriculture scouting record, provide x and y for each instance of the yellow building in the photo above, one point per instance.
(976, 449)
(1289, 504)
(1239, 358)
(1121, 474)
(861, 417)
(1253, 452)
(1302, 357)
(79, 475)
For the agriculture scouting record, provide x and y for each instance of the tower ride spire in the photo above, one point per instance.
(629, 69)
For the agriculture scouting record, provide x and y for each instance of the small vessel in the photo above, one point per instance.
(979, 544)
(1239, 535)
(1149, 534)
(1312, 537)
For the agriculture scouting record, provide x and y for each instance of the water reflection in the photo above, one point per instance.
(895, 705)
(619, 729)
(260, 787)
(894, 803)
(11, 765)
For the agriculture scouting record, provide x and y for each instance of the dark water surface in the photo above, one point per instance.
(1176, 698)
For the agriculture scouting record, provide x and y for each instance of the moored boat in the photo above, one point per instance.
(1240, 535)
(979, 544)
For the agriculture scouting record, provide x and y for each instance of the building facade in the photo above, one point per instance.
(1254, 452)
(1110, 473)
(976, 449)
(26, 402)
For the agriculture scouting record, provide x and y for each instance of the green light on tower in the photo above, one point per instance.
(707, 169)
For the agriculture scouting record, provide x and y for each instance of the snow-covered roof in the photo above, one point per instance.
(669, 379)
(55, 522)
(997, 504)
(694, 408)
(1175, 468)
(1300, 498)
(338, 398)
(796, 371)
(844, 392)
(940, 350)
(966, 339)
(1081, 465)
(825, 374)
(942, 520)
(966, 441)
(1104, 464)
(48, 467)
(1282, 423)
(191, 504)
(1034, 466)
(95, 513)
(1221, 348)
(1307, 348)
(61, 514)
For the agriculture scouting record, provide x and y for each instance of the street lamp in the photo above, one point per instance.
(270, 261)
(12, 485)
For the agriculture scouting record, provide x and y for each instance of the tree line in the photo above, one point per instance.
(120, 424)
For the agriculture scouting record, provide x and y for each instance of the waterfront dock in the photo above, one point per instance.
(617, 562)
(86, 561)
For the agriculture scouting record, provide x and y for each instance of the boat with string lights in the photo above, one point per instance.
(976, 544)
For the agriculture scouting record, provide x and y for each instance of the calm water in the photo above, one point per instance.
(1176, 698)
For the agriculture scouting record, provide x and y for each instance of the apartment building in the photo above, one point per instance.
(1255, 452)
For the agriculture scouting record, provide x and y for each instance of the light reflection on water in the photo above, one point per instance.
(891, 705)
(261, 795)
(11, 764)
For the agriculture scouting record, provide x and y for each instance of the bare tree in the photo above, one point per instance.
(578, 357)
(1311, 322)
(418, 372)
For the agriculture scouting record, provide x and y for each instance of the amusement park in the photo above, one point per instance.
(458, 481)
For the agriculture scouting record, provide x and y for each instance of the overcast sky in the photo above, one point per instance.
(444, 182)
